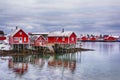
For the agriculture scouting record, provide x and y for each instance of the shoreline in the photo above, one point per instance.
(61, 51)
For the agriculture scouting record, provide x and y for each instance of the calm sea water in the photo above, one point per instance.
(101, 64)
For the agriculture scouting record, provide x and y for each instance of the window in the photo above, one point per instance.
(63, 39)
(72, 38)
(24, 38)
(20, 33)
(20, 40)
(16, 38)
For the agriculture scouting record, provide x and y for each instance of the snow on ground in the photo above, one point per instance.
(4, 45)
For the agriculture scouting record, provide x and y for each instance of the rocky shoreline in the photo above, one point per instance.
(43, 51)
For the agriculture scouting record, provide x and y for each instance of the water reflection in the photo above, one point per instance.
(18, 65)
(68, 64)
(103, 47)
(60, 64)
(37, 60)
(101, 64)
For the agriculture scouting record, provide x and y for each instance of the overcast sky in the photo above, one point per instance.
(80, 16)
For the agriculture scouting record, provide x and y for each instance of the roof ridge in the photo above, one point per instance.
(59, 33)
(15, 31)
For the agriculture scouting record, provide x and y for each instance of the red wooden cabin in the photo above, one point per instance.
(92, 39)
(18, 37)
(38, 40)
(84, 38)
(110, 38)
(62, 38)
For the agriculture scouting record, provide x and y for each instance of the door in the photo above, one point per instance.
(20, 41)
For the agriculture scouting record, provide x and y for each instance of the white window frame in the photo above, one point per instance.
(20, 40)
(25, 39)
(72, 38)
(63, 38)
(16, 39)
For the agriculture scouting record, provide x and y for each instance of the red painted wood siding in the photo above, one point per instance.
(51, 39)
(72, 39)
(63, 40)
(59, 40)
(2, 38)
(110, 39)
(92, 39)
(84, 38)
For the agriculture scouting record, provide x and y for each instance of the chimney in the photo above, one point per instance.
(62, 30)
(16, 27)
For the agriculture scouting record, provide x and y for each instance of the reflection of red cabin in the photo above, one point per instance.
(66, 64)
(19, 68)
(38, 40)
(18, 37)
(38, 61)
(62, 37)
(110, 38)
(84, 38)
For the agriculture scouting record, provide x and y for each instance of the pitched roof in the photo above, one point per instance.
(60, 34)
(14, 31)
(42, 33)
(35, 37)
(32, 38)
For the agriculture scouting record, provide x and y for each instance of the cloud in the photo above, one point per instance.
(81, 16)
(29, 27)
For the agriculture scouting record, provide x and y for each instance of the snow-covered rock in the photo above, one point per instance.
(4, 46)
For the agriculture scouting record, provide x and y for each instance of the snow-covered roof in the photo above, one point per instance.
(59, 33)
(14, 31)
(116, 36)
(35, 37)
(32, 38)
(42, 33)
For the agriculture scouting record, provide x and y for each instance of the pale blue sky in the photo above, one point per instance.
(80, 16)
